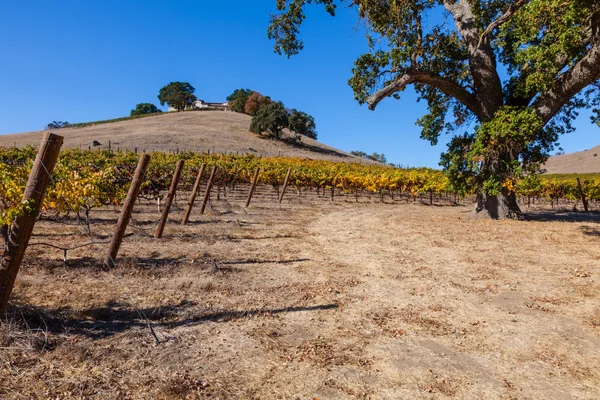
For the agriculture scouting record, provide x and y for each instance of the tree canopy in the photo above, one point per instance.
(144, 108)
(301, 123)
(178, 95)
(254, 103)
(237, 99)
(504, 78)
(272, 118)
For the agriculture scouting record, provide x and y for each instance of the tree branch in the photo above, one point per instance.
(462, 12)
(512, 9)
(447, 86)
(482, 63)
(582, 74)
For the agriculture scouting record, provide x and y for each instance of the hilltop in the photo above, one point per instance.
(200, 131)
(587, 161)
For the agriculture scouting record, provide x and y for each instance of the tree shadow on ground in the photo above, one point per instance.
(305, 146)
(226, 315)
(118, 317)
(255, 261)
(590, 231)
(549, 216)
(92, 263)
(443, 205)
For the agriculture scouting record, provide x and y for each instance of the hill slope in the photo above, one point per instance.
(587, 161)
(219, 131)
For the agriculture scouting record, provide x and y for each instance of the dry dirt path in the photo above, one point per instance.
(307, 300)
(447, 307)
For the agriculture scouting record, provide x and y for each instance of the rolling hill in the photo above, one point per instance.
(214, 131)
(587, 161)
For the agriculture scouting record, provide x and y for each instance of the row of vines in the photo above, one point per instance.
(85, 179)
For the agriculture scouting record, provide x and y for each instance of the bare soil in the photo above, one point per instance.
(351, 299)
(198, 131)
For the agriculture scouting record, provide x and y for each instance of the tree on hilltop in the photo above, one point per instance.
(516, 71)
(237, 99)
(272, 118)
(178, 95)
(144, 108)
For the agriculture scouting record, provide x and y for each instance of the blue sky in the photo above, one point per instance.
(76, 61)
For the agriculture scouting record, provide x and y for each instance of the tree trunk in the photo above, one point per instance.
(500, 206)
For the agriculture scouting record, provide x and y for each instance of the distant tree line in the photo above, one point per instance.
(375, 156)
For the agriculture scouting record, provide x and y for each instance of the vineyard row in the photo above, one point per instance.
(85, 179)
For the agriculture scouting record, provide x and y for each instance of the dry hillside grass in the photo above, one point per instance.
(311, 299)
(200, 131)
(581, 162)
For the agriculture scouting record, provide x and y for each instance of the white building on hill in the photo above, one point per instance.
(199, 104)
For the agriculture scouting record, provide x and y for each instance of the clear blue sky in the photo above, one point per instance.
(76, 61)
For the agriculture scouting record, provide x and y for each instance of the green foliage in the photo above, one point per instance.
(272, 118)
(255, 102)
(144, 108)
(237, 99)
(301, 123)
(452, 64)
(178, 95)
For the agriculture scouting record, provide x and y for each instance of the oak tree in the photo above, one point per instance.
(504, 78)
(178, 95)
(272, 118)
(144, 108)
(301, 123)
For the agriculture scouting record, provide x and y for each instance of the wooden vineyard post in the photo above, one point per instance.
(169, 200)
(582, 195)
(285, 183)
(254, 180)
(208, 188)
(134, 189)
(188, 210)
(22, 227)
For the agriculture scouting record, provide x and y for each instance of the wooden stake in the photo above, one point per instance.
(208, 188)
(582, 195)
(134, 189)
(254, 180)
(285, 183)
(17, 237)
(169, 200)
(192, 199)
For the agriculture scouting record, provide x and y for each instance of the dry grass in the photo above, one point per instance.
(587, 161)
(306, 300)
(219, 131)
